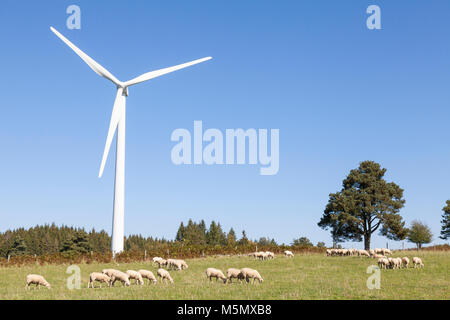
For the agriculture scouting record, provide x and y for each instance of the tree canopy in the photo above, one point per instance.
(419, 233)
(366, 203)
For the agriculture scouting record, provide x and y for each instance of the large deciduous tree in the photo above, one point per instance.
(366, 203)
(419, 233)
(445, 230)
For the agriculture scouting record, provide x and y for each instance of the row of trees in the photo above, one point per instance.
(197, 234)
(367, 203)
(50, 239)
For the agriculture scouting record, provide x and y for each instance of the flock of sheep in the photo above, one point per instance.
(111, 276)
(264, 255)
(381, 254)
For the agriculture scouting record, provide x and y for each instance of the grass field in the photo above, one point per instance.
(311, 276)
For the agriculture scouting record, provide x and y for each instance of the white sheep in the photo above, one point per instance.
(289, 254)
(146, 274)
(38, 280)
(383, 263)
(378, 256)
(386, 251)
(136, 276)
(248, 274)
(164, 274)
(364, 253)
(417, 262)
(215, 273)
(234, 273)
(405, 262)
(100, 277)
(270, 255)
(162, 263)
(109, 272)
(121, 276)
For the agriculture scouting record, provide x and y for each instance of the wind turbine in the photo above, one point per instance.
(118, 123)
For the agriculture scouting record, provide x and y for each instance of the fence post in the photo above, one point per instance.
(8, 257)
(145, 255)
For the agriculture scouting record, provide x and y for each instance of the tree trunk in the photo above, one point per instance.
(367, 242)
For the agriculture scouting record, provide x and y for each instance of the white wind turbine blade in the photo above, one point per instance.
(160, 72)
(115, 118)
(90, 62)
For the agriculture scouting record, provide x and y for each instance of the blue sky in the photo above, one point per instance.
(338, 92)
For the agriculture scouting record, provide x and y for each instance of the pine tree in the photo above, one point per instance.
(231, 237)
(180, 233)
(243, 241)
(445, 230)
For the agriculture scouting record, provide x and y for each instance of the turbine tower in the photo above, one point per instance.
(118, 123)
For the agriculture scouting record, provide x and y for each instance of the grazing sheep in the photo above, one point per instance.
(289, 254)
(109, 272)
(383, 263)
(100, 277)
(162, 263)
(136, 276)
(121, 276)
(372, 252)
(364, 253)
(234, 273)
(395, 263)
(176, 264)
(270, 255)
(386, 252)
(164, 274)
(38, 280)
(148, 275)
(417, 262)
(248, 274)
(215, 273)
(378, 256)
(405, 262)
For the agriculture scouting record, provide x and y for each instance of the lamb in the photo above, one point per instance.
(100, 277)
(289, 253)
(136, 276)
(248, 274)
(121, 276)
(215, 273)
(148, 275)
(405, 262)
(234, 273)
(38, 280)
(164, 274)
(417, 262)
